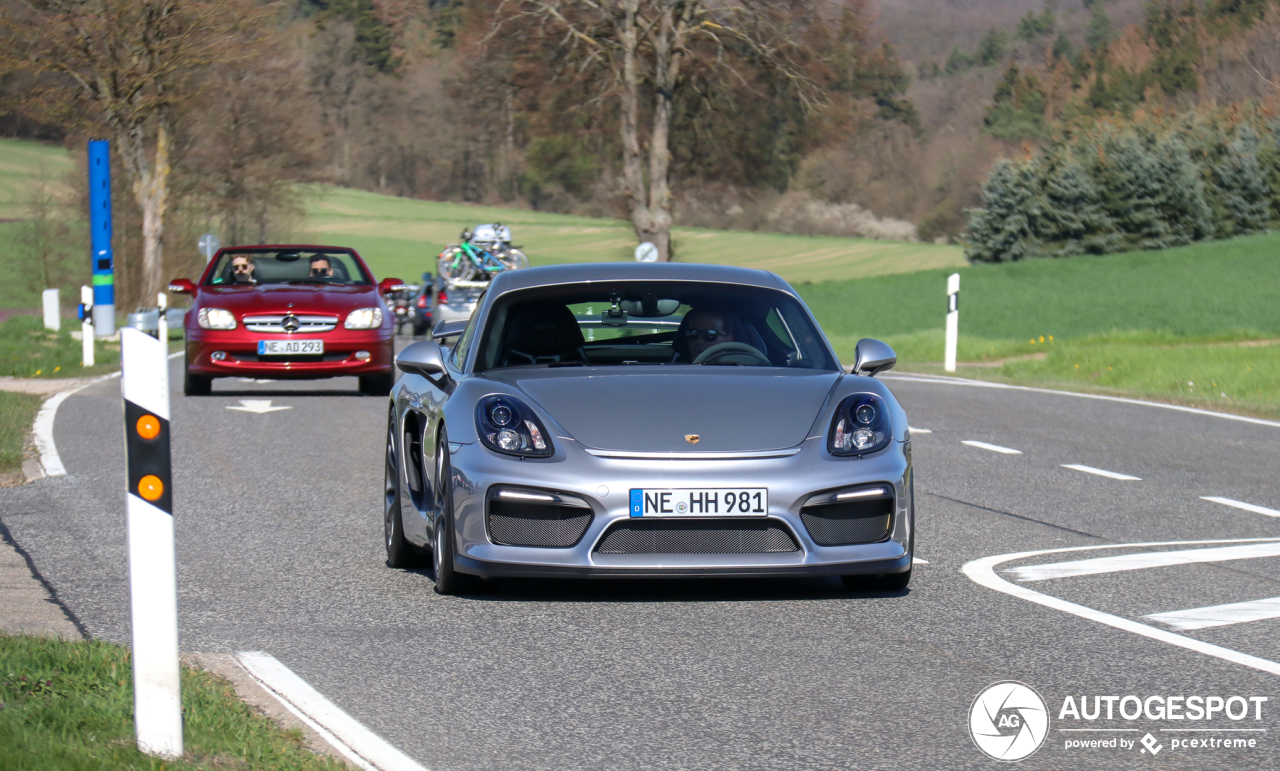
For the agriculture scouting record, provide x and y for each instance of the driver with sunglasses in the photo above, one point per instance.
(321, 270)
(242, 269)
(700, 329)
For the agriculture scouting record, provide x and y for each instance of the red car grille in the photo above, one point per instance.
(282, 322)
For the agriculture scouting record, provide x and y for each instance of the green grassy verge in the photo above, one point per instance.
(17, 413)
(27, 349)
(402, 236)
(1188, 324)
(23, 161)
(69, 705)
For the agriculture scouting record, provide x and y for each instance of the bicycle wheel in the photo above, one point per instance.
(514, 259)
(455, 265)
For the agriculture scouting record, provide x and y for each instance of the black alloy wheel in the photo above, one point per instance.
(448, 580)
(196, 385)
(400, 553)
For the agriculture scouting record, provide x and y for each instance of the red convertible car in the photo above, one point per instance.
(288, 312)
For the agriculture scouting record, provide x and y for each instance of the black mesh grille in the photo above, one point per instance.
(842, 524)
(695, 536)
(536, 524)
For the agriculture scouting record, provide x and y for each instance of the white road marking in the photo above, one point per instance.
(982, 571)
(918, 561)
(915, 430)
(1242, 505)
(984, 384)
(991, 447)
(1219, 615)
(1157, 559)
(1101, 472)
(362, 746)
(42, 429)
(257, 405)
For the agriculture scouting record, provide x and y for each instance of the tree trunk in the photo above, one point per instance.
(150, 181)
(665, 67)
(647, 228)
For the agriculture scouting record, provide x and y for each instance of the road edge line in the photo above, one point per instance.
(1120, 399)
(348, 735)
(982, 571)
(42, 429)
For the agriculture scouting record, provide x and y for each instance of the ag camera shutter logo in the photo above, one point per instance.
(1009, 721)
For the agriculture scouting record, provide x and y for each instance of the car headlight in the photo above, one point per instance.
(508, 426)
(364, 318)
(215, 318)
(859, 426)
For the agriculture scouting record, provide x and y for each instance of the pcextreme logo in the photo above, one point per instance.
(1009, 721)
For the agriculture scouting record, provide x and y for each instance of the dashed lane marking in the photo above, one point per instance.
(1143, 560)
(1101, 472)
(991, 447)
(915, 430)
(1242, 505)
(982, 571)
(1219, 615)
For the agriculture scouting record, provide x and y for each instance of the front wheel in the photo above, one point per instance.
(376, 385)
(448, 580)
(196, 385)
(400, 553)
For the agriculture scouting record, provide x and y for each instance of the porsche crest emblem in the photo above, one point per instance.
(692, 438)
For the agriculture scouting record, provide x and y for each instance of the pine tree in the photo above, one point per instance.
(1001, 231)
(1246, 195)
(1128, 177)
(1073, 219)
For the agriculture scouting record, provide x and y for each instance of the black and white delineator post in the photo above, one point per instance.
(953, 322)
(153, 582)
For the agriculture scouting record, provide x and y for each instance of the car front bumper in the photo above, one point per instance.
(605, 483)
(241, 355)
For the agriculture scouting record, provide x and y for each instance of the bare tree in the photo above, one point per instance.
(132, 60)
(650, 48)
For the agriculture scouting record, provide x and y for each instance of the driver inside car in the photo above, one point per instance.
(699, 330)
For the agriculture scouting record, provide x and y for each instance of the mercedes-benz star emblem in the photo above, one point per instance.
(692, 438)
(290, 323)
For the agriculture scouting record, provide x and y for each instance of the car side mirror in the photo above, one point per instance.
(447, 329)
(389, 285)
(422, 358)
(182, 286)
(872, 357)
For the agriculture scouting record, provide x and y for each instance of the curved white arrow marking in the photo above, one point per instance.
(982, 571)
(257, 405)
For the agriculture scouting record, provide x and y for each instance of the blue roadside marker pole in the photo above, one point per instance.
(153, 581)
(104, 282)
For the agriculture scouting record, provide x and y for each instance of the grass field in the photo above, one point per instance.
(27, 349)
(69, 705)
(1199, 324)
(401, 237)
(17, 412)
(21, 164)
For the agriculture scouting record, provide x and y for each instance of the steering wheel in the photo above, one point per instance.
(736, 350)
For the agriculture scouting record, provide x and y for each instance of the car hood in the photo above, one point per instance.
(731, 409)
(306, 298)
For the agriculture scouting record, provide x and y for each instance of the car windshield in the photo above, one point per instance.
(651, 323)
(288, 266)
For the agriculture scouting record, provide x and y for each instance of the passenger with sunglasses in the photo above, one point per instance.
(321, 269)
(242, 267)
(700, 329)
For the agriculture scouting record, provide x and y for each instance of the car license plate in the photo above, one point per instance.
(290, 347)
(700, 502)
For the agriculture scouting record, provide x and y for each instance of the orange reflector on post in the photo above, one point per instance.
(150, 487)
(148, 427)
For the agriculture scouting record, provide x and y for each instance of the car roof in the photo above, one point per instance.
(551, 275)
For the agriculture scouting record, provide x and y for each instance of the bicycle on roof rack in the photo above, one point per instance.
(482, 253)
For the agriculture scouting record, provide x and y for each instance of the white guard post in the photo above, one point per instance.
(162, 322)
(52, 316)
(953, 321)
(153, 583)
(86, 327)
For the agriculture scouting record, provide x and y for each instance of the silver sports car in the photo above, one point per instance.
(646, 420)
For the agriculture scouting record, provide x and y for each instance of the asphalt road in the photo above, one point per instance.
(279, 549)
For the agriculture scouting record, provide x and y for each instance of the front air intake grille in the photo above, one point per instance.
(849, 522)
(525, 523)
(697, 536)
(290, 323)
